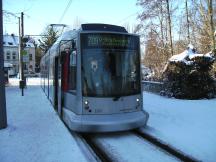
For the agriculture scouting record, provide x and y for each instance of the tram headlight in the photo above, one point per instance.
(138, 103)
(86, 102)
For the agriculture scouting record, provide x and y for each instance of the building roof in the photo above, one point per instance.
(13, 41)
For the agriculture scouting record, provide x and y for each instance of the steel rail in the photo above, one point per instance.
(168, 148)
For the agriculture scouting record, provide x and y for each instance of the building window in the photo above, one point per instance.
(14, 55)
(30, 57)
(8, 55)
(10, 43)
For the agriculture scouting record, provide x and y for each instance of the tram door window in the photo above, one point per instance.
(56, 66)
(72, 71)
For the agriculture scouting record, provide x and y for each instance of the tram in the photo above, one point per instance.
(92, 77)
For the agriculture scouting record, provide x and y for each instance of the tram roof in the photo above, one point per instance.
(92, 27)
(103, 27)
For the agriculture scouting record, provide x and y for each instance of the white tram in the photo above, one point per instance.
(92, 77)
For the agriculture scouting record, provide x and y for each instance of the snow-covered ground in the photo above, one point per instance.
(188, 125)
(34, 132)
(127, 146)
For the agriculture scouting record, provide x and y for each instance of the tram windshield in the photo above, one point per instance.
(110, 65)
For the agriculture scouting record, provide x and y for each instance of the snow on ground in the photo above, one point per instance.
(189, 125)
(29, 81)
(34, 132)
(126, 146)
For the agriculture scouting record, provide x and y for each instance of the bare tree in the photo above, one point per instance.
(203, 24)
(153, 27)
(131, 28)
(152, 16)
(169, 26)
(187, 17)
(159, 24)
(50, 35)
(154, 58)
(210, 9)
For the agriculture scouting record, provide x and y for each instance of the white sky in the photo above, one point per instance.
(40, 13)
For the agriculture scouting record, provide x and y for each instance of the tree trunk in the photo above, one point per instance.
(188, 26)
(210, 9)
(161, 23)
(169, 23)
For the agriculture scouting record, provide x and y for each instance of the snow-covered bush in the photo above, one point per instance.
(187, 75)
(147, 73)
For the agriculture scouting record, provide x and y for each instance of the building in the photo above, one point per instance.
(11, 54)
(7, 67)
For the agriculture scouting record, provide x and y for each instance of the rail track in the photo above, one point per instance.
(92, 146)
(170, 149)
(95, 149)
(101, 155)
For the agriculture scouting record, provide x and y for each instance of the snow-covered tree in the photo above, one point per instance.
(187, 75)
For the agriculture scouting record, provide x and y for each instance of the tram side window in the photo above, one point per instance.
(72, 71)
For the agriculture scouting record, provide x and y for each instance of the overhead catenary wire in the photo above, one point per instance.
(66, 8)
(126, 18)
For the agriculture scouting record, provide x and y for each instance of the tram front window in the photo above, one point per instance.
(110, 71)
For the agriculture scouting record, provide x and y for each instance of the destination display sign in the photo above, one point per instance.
(105, 40)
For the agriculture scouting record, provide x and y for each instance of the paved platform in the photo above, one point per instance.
(34, 132)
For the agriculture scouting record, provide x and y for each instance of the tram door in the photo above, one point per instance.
(56, 73)
(59, 86)
(62, 81)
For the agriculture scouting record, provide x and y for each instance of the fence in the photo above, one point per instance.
(154, 87)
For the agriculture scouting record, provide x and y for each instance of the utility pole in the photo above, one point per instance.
(21, 48)
(3, 113)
